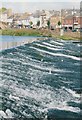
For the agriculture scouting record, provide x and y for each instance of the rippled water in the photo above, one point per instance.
(41, 80)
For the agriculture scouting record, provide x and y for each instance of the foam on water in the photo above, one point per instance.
(57, 54)
(50, 48)
(63, 107)
(48, 44)
(7, 114)
(45, 97)
(72, 92)
(58, 43)
(3, 114)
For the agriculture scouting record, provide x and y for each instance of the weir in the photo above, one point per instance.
(40, 80)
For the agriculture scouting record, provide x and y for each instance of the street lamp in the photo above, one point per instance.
(61, 30)
(73, 13)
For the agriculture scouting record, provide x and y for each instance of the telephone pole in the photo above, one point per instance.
(61, 30)
(73, 16)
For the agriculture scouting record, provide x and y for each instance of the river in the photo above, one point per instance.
(41, 80)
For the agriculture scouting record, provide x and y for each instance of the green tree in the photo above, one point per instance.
(3, 9)
(48, 23)
(59, 23)
(38, 23)
(31, 23)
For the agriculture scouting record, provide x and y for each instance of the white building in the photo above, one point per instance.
(34, 20)
(3, 17)
(10, 20)
(43, 20)
(25, 22)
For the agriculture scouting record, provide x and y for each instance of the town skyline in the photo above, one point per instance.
(33, 6)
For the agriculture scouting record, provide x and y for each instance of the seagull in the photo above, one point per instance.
(50, 71)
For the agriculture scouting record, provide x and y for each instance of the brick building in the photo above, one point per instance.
(72, 22)
(54, 21)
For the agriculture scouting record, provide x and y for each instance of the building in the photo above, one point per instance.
(8, 12)
(44, 19)
(54, 21)
(4, 15)
(10, 21)
(81, 16)
(3, 18)
(19, 20)
(24, 20)
(71, 22)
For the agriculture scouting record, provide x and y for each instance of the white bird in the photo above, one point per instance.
(50, 71)
(62, 60)
(41, 60)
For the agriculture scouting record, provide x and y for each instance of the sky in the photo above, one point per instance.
(33, 5)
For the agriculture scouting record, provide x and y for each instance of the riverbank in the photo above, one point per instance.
(26, 32)
(42, 33)
(67, 35)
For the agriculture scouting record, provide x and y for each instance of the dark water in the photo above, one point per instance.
(41, 80)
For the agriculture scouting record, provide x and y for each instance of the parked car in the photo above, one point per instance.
(80, 29)
(52, 28)
(27, 26)
(74, 30)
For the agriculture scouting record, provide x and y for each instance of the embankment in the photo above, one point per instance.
(42, 32)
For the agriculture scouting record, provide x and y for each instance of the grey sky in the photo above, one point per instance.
(32, 5)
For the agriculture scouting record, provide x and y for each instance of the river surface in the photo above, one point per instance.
(8, 38)
(41, 80)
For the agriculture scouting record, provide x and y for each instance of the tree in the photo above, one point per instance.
(31, 22)
(38, 23)
(3, 9)
(48, 24)
(59, 23)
